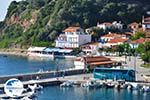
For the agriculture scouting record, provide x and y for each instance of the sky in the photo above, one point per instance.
(3, 8)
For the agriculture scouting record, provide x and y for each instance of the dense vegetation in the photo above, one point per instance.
(45, 19)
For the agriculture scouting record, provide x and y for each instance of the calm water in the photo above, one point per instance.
(14, 65)
(77, 93)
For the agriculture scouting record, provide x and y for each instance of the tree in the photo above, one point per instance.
(144, 50)
(138, 35)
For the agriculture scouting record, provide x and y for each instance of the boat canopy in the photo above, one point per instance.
(45, 49)
(65, 50)
(51, 49)
(36, 48)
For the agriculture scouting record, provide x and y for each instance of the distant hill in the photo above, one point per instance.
(38, 22)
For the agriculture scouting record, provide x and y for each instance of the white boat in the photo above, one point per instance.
(110, 85)
(35, 87)
(145, 88)
(135, 86)
(26, 98)
(129, 87)
(67, 84)
(90, 84)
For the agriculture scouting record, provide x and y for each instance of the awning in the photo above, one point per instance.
(36, 48)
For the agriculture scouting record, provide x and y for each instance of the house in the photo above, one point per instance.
(110, 36)
(117, 25)
(108, 25)
(72, 37)
(90, 48)
(133, 27)
(146, 24)
(135, 43)
(115, 42)
(105, 25)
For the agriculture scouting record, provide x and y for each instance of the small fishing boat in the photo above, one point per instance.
(129, 86)
(91, 84)
(135, 86)
(35, 87)
(145, 88)
(26, 98)
(67, 84)
(110, 85)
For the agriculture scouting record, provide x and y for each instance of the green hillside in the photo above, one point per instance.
(38, 22)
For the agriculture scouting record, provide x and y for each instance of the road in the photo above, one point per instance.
(135, 63)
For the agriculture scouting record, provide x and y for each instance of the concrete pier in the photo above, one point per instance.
(43, 78)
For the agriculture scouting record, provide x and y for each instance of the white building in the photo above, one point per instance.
(146, 24)
(73, 38)
(117, 25)
(110, 36)
(105, 25)
(90, 48)
(108, 25)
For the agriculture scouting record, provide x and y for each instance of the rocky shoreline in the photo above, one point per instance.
(16, 52)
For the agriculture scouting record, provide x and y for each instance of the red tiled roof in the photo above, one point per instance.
(91, 59)
(111, 35)
(116, 40)
(133, 24)
(102, 63)
(138, 41)
(71, 29)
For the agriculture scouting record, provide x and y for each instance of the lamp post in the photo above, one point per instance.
(57, 70)
(135, 61)
(125, 53)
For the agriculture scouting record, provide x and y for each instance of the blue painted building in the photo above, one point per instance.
(114, 74)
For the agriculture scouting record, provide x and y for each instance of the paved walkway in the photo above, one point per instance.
(135, 63)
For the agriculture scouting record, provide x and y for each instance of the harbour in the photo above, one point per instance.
(48, 80)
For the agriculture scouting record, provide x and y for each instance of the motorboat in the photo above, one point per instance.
(121, 84)
(129, 86)
(67, 84)
(26, 98)
(145, 88)
(35, 87)
(110, 85)
(135, 86)
(90, 84)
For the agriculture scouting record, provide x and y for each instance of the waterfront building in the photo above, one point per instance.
(90, 62)
(50, 52)
(114, 74)
(72, 37)
(39, 52)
